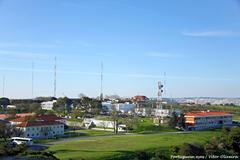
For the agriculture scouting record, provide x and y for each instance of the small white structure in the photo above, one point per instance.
(48, 105)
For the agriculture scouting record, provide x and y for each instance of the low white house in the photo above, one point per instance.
(41, 129)
(48, 105)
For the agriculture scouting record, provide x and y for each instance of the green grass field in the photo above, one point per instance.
(101, 148)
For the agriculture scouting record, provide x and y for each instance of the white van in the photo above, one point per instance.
(21, 140)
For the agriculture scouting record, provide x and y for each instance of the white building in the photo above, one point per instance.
(122, 107)
(41, 129)
(40, 126)
(162, 112)
(207, 120)
(48, 105)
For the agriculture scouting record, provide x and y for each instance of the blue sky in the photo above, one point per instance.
(196, 43)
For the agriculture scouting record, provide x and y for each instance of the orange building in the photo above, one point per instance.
(203, 120)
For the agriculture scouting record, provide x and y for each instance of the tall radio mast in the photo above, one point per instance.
(32, 80)
(101, 94)
(55, 77)
(3, 89)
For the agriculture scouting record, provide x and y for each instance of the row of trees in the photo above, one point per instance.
(227, 144)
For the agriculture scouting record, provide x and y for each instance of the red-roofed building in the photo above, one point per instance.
(202, 120)
(140, 98)
(40, 126)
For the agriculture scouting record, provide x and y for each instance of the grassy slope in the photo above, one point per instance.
(99, 148)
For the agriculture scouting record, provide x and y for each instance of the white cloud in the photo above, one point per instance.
(216, 33)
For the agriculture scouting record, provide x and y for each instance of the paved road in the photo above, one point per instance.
(108, 136)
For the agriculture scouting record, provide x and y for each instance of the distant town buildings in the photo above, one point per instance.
(208, 100)
(207, 120)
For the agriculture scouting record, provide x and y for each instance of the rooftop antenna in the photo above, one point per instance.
(101, 94)
(32, 80)
(3, 89)
(55, 76)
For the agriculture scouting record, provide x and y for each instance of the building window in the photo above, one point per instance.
(33, 135)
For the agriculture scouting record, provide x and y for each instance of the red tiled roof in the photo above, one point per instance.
(21, 119)
(139, 97)
(205, 113)
(38, 118)
(25, 114)
(37, 123)
(49, 117)
(4, 116)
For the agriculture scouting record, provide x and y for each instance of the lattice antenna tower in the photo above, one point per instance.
(160, 93)
(101, 87)
(32, 79)
(55, 78)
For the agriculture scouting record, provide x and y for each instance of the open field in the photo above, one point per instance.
(77, 133)
(101, 148)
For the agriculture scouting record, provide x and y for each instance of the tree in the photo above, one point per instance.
(81, 95)
(7, 131)
(181, 121)
(4, 102)
(234, 139)
(115, 117)
(77, 113)
(188, 149)
(63, 105)
(173, 120)
(131, 123)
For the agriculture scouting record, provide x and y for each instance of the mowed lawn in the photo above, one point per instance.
(100, 148)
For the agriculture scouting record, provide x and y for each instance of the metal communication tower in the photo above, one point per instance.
(160, 92)
(101, 89)
(3, 89)
(32, 80)
(55, 77)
